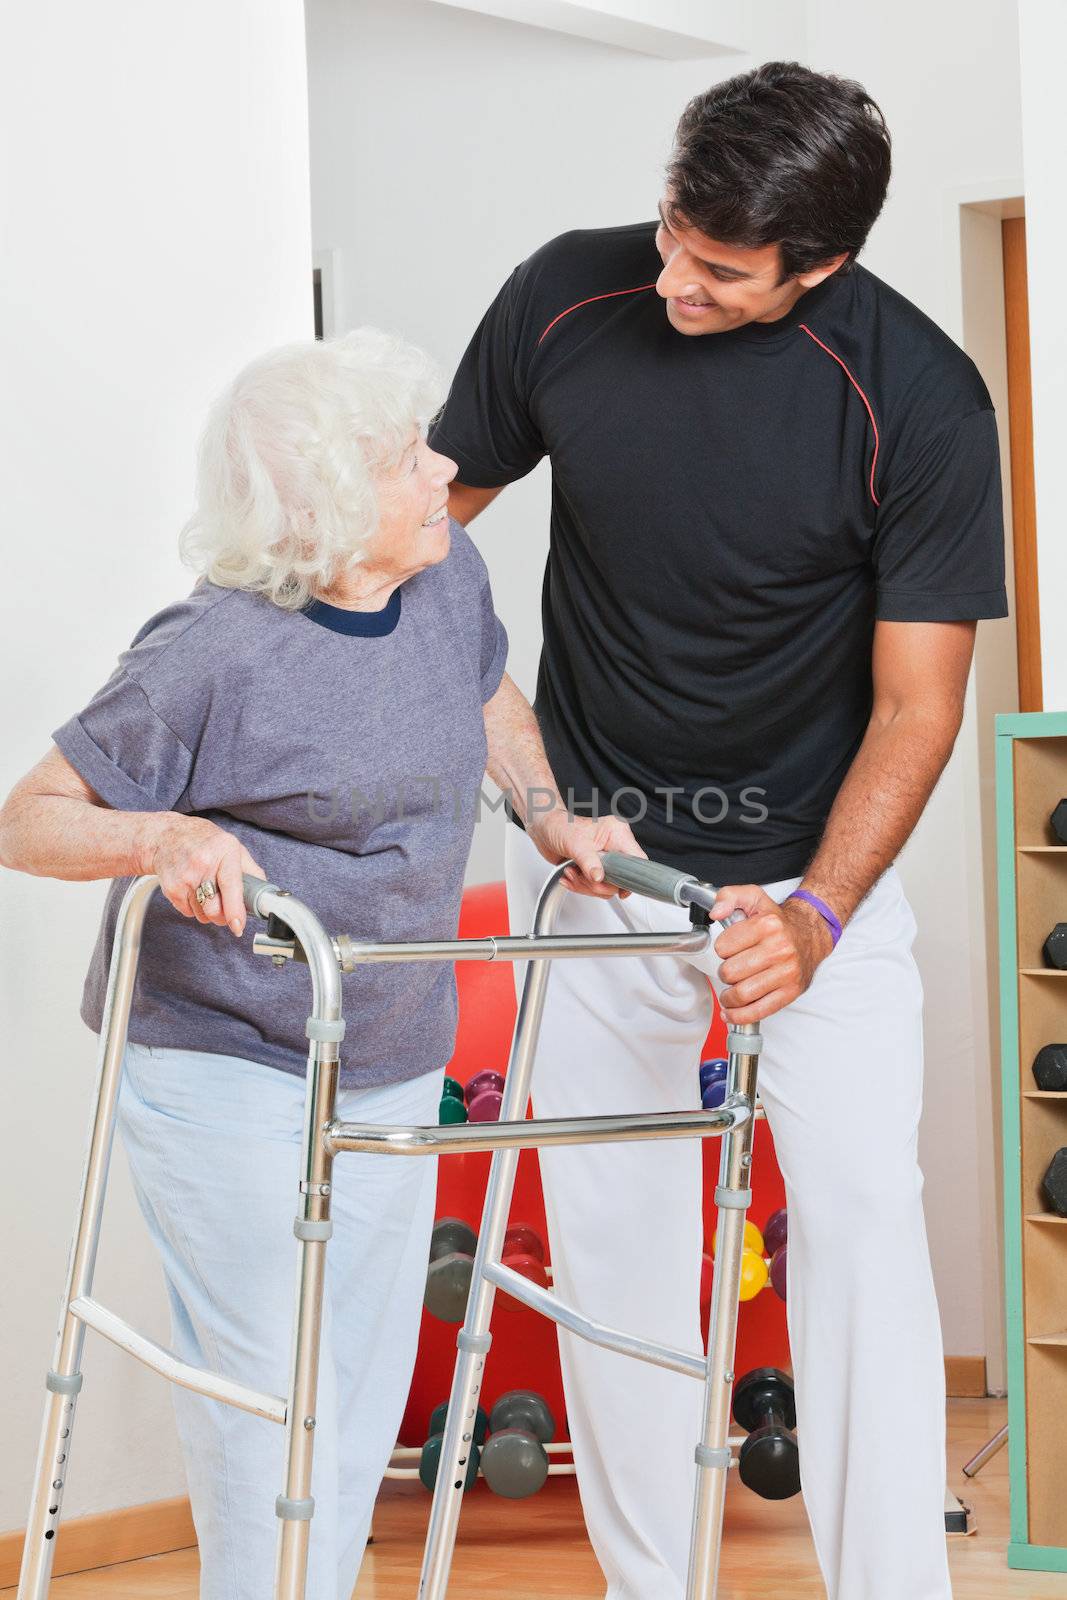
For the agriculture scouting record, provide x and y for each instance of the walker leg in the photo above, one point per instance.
(474, 1338)
(312, 1227)
(732, 1197)
(64, 1380)
(991, 1448)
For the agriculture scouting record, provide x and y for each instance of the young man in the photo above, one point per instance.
(776, 517)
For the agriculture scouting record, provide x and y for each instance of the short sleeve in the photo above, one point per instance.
(494, 646)
(939, 532)
(486, 426)
(124, 750)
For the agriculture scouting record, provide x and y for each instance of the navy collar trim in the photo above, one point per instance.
(361, 624)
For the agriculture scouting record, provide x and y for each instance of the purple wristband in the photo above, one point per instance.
(824, 911)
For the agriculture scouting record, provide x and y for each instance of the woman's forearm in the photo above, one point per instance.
(517, 762)
(58, 836)
(54, 826)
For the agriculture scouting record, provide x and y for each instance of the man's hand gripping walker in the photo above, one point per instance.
(294, 932)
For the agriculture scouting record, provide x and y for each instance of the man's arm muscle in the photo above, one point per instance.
(920, 679)
(465, 502)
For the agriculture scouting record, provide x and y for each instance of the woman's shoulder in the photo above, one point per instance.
(183, 638)
(464, 564)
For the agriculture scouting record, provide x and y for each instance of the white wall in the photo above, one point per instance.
(950, 91)
(157, 235)
(1043, 40)
(446, 146)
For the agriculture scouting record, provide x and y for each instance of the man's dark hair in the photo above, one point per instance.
(782, 155)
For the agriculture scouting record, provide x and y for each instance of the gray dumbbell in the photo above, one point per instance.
(514, 1459)
(1059, 822)
(448, 1277)
(1054, 949)
(1050, 1068)
(1054, 1184)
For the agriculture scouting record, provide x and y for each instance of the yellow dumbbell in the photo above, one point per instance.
(754, 1274)
(753, 1240)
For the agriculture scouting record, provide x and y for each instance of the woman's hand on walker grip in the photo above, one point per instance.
(768, 959)
(560, 836)
(184, 852)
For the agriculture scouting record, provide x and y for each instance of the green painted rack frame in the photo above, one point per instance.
(1031, 775)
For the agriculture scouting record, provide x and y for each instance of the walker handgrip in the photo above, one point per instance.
(253, 888)
(649, 878)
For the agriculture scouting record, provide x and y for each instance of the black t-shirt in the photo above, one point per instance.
(730, 515)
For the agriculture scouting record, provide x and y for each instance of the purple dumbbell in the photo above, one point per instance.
(712, 1072)
(776, 1231)
(485, 1107)
(714, 1094)
(480, 1083)
(778, 1271)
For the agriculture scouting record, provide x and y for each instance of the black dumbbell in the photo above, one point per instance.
(1054, 1184)
(430, 1459)
(1050, 1068)
(448, 1278)
(1058, 820)
(769, 1460)
(1054, 949)
(514, 1460)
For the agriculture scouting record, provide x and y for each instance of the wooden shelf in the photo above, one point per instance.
(1031, 780)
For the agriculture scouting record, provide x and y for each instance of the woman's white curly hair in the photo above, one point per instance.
(287, 494)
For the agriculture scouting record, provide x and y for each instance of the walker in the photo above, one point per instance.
(295, 933)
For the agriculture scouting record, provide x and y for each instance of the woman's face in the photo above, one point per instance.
(413, 504)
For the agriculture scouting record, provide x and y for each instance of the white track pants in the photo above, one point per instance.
(213, 1144)
(841, 1082)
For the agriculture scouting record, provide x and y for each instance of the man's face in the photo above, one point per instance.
(711, 287)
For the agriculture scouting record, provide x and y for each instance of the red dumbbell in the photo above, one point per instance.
(524, 1253)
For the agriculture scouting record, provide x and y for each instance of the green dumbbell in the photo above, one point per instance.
(439, 1416)
(430, 1461)
(452, 1089)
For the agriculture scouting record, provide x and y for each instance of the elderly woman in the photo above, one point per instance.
(319, 710)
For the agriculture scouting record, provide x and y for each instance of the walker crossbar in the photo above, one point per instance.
(294, 932)
(167, 1364)
(466, 1137)
(625, 1344)
(351, 953)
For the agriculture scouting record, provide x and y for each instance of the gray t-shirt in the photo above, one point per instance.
(348, 763)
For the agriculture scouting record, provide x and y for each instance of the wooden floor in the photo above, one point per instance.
(538, 1547)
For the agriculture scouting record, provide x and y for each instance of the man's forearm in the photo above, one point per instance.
(517, 762)
(885, 793)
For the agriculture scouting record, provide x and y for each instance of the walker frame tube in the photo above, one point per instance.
(324, 1137)
(733, 1196)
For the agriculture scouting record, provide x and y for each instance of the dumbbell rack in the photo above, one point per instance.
(1032, 870)
(295, 933)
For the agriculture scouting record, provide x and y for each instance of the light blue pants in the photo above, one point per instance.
(213, 1147)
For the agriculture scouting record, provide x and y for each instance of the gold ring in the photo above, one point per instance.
(205, 891)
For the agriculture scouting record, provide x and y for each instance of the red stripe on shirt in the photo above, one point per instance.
(614, 294)
(863, 397)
